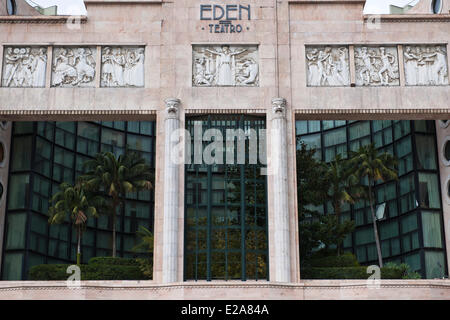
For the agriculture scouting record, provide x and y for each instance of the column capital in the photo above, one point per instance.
(172, 108)
(278, 108)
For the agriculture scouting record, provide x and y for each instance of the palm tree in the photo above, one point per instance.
(367, 162)
(116, 177)
(76, 202)
(344, 187)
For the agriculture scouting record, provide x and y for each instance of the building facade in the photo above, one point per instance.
(133, 74)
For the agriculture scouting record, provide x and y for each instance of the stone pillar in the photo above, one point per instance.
(171, 200)
(279, 172)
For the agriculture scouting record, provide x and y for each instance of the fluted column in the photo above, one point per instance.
(281, 245)
(171, 200)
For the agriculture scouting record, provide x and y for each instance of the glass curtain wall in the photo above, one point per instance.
(413, 229)
(45, 154)
(226, 207)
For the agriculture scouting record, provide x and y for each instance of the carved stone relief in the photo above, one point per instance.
(73, 67)
(328, 66)
(225, 66)
(425, 65)
(377, 66)
(24, 67)
(122, 67)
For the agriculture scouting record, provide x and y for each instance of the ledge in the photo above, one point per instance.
(409, 17)
(232, 290)
(122, 1)
(41, 19)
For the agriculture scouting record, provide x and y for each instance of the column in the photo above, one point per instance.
(171, 200)
(279, 172)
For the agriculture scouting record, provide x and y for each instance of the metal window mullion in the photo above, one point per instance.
(243, 251)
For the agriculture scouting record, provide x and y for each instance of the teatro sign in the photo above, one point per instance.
(225, 17)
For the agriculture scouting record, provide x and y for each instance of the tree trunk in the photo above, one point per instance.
(337, 210)
(375, 228)
(114, 229)
(79, 247)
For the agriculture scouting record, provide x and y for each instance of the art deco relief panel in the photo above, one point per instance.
(225, 65)
(424, 65)
(24, 67)
(376, 66)
(122, 67)
(73, 67)
(328, 66)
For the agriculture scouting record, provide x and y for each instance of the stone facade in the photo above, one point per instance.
(309, 53)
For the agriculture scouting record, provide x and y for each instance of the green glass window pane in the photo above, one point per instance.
(139, 143)
(45, 129)
(88, 130)
(359, 130)
(133, 126)
(147, 128)
(434, 264)
(406, 184)
(113, 138)
(401, 128)
(364, 236)
(424, 126)
(12, 266)
(409, 223)
(335, 137)
(361, 254)
(21, 153)
(313, 126)
(389, 230)
(327, 125)
(301, 127)
(66, 126)
(18, 191)
(426, 152)
(16, 231)
(413, 261)
(432, 229)
(429, 191)
(23, 127)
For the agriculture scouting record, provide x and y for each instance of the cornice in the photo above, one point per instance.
(42, 19)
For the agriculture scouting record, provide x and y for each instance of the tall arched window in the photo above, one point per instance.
(436, 6)
(11, 7)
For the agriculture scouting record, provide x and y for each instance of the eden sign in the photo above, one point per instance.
(225, 17)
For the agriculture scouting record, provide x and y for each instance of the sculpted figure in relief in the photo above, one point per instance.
(73, 67)
(376, 66)
(426, 65)
(122, 67)
(225, 66)
(328, 66)
(25, 67)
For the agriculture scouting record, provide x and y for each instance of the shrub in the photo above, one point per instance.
(48, 272)
(348, 273)
(102, 268)
(405, 270)
(113, 261)
(345, 260)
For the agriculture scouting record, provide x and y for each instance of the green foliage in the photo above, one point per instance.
(344, 260)
(339, 273)
(146, 246)
(76, 203)
(368, 163)
(113, 261)
(116, 177)
(315, 187)
(105, 268)
(405, 269)
(147, 241)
